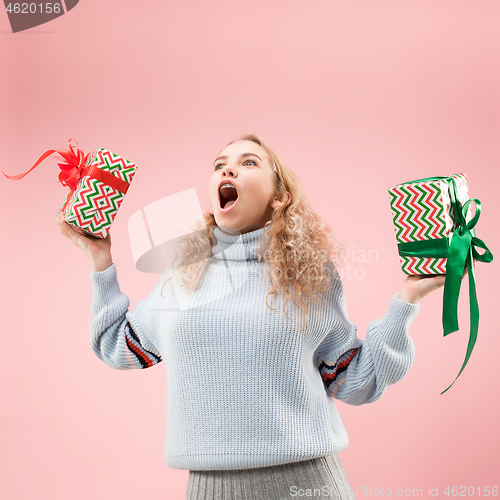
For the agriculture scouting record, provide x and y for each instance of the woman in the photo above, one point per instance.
(251, 388)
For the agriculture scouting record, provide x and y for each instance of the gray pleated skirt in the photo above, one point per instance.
(324, 477)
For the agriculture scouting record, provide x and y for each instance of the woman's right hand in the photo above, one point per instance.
(98, 250)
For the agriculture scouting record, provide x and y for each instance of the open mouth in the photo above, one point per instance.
(227, 196)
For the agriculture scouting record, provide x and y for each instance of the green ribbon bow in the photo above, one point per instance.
(461, 251)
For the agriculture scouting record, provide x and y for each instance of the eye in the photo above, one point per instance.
(219, 164)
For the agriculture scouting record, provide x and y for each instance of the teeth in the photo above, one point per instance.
(227, 184)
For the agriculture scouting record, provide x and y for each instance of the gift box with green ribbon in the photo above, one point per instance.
(98, 183)
(435, 232)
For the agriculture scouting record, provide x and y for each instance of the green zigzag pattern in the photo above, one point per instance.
(396, 214)
(413, 217)
(429, 263)
(426, 210)
(411, 212)
(87, 205)
(438, 201)
(96, 196)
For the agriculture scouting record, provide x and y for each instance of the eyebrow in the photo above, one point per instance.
(242, 156)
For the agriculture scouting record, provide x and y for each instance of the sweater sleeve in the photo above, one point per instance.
(359, 371)
(121, 338)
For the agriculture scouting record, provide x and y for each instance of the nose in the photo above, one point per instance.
(227, 169)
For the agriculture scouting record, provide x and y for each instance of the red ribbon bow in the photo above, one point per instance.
(71, 170)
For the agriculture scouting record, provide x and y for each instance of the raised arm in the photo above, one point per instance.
(121, 338)
(359, 371)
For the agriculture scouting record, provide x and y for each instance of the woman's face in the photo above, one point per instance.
(246, 165)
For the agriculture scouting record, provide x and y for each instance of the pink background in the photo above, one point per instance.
(355, 96)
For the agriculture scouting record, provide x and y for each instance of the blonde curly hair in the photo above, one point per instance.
(297, 240)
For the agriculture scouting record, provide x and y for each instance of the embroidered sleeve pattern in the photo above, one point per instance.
(334, 375)
(146, 358)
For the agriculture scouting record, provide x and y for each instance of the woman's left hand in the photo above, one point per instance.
(417, 287)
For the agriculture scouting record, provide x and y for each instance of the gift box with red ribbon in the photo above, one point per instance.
(98, 182)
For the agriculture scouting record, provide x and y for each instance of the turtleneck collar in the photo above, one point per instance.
(237, 246)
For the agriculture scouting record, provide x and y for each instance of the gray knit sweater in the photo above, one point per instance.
(246, 388)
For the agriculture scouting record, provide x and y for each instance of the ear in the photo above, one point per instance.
(279, 200)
